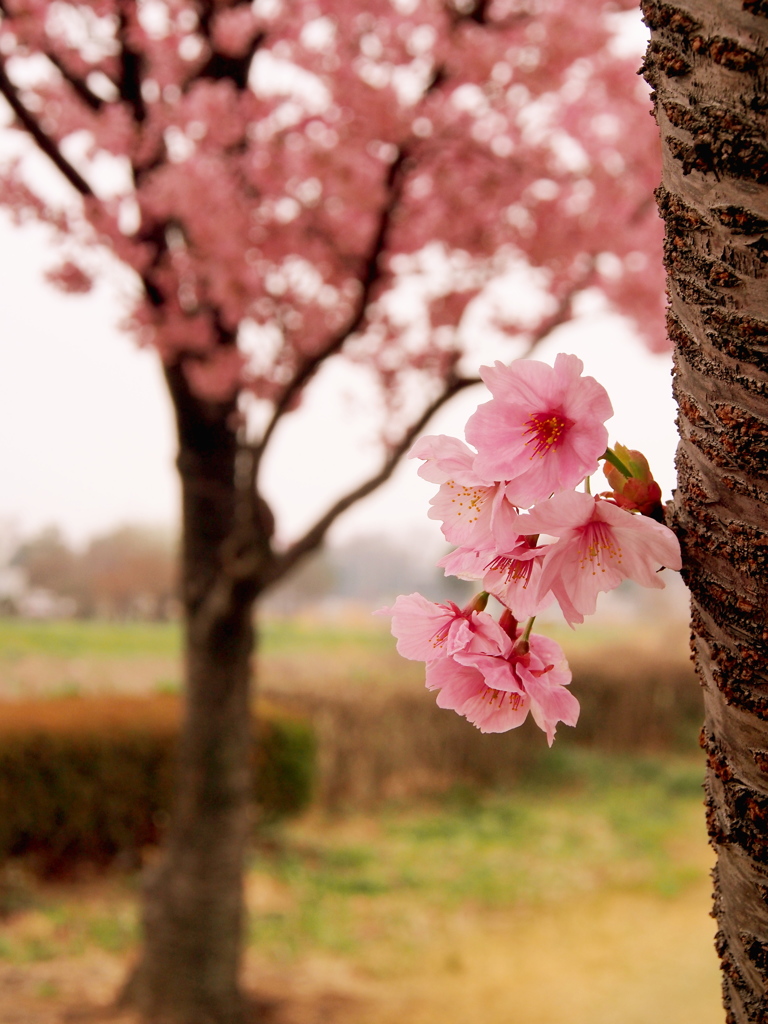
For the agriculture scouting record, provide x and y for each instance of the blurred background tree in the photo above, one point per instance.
(131, 573)
(305, 194)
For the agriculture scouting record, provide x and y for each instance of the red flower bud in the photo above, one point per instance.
(637, 492)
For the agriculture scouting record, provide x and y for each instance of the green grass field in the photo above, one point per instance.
(300, 654)
(75, 639)
(303, 636)
(71, 657)
(78, 639)
(581, 893)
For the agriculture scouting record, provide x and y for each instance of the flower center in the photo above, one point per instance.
(546, 432)
(469, 501)
(515, 699)
(513, 569)
(598, 548)
(441, 635)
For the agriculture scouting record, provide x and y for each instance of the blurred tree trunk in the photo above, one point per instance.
(193, 907)
(707, 64)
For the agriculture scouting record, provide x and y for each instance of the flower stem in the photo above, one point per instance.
(522, 646)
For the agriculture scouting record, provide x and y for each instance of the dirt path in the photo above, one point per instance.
(621, 959)
(618, 958)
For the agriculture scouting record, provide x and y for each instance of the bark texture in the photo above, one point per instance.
(707, 65)
(193, 907)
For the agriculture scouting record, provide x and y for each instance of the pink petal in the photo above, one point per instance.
(466, 563)
(465, 512)
(556, 515)
(418, 625)
(457, 683)
(550, 705)
(446, 458)
(498, 673)
(496, 711)
(528, 382)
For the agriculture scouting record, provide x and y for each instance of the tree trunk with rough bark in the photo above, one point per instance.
(193, 907)
(708, 67)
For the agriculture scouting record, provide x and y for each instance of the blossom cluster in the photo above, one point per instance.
(510, 506)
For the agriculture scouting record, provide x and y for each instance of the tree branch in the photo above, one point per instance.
(44, 142)
(479, 14)
(368, 278)
(78, 85)
(220, 66)
(129, 84)
(314, 537)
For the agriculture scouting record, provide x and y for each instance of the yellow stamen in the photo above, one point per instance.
(547, 432)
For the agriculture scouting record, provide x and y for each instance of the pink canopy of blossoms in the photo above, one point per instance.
(522, 529)
(278, 169)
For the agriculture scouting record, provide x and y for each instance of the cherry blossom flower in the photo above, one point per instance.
(543, 431)
(511, 574)
(470, 509)
(598, 545)
(496, 693)
(427, 631)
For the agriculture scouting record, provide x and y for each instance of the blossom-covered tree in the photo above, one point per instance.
(708, 64)
(293, 185)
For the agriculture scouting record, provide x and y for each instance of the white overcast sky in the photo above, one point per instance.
(86, 433)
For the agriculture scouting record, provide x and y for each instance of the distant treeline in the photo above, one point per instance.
(131, 573)
(128, 573)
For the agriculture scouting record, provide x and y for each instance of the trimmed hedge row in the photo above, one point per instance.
(89, 779)
(400, 745)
